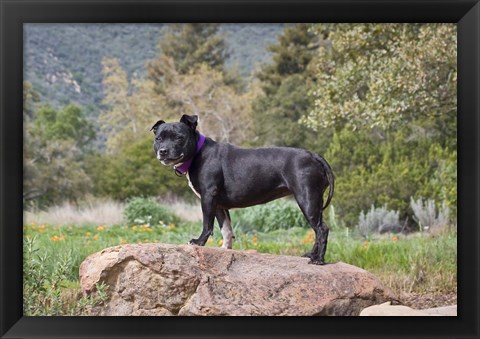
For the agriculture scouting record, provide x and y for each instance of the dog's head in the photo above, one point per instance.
(175, 142)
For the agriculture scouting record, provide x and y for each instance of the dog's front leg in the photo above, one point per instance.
(208, 209)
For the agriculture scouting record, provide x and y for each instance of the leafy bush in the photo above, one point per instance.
(387, 168)
(378, 219)
(43, 285)
(278, 214)
(426, 215)
(147, 211)
(134, 171)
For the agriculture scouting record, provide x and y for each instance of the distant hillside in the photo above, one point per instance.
(63, 61)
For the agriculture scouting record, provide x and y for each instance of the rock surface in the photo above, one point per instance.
(160, 279)
(386, 309)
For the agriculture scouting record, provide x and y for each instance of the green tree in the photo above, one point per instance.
(285, 83)
(131, 106)
(54, 147)
(385, 75)
(69, 123)
(389, 93)
(187, 46)
(134, 171)
(31, 98)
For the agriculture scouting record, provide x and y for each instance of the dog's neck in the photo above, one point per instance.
(183, 167)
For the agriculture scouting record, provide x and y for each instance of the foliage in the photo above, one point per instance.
(54, 147)
(30, 99)
(374, 167)
(190, 45)
(43, 286)
(69, 123)
(378, 219)
(384, 74)
(278, 214)
(147, 211)
(223, 111)
(284, 83)
(134, 171)
(190, 77)
(427, 216)
(131, 107)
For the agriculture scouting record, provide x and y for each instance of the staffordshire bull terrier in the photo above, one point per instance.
(224, 176)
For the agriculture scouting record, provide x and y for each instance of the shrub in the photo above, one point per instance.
(426, 215)
(134, 171)
(378, 219)
(278, 214)
(147, 211)
(43, 285)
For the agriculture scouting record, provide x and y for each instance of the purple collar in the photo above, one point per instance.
(183, 168)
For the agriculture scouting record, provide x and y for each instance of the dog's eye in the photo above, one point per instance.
(158, 139)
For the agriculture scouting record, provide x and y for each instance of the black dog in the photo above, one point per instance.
(225, 176)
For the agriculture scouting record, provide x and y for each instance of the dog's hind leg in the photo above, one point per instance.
(225, 224)
(313, 214)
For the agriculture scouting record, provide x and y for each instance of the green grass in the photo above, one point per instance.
(419, 263)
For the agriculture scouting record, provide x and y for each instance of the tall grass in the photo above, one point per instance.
(92, 212)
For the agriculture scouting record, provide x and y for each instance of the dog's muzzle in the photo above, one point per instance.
(169, 161)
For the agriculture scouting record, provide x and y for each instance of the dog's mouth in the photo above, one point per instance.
(170, 161)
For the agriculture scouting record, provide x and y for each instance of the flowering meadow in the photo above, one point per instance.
(417, 263)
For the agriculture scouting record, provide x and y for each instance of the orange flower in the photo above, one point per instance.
(95, 237)
(210, 240)
(395, 238)
(124, 241)
(57, 238)
(100, 228)
(134, 227)
(220, 242)
(365, 242)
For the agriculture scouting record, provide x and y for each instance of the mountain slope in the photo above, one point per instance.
(63, 61)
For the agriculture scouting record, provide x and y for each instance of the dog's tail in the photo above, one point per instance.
(330, 178)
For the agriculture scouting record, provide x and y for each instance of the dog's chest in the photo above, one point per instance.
(191, 186)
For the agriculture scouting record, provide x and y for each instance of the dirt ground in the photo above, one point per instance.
(422, 301)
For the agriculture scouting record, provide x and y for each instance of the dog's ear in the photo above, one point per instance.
(190, 120)
(155, 127)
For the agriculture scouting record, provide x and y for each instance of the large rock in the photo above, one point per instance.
(387, 309)
(160, 279)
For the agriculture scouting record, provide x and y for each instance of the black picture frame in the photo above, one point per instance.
(14, 13)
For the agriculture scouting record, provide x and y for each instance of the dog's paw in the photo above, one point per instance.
(316, 262)
(307, 255)
(196, 242)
